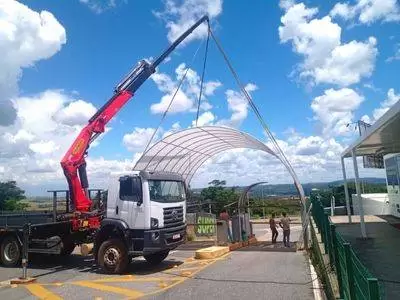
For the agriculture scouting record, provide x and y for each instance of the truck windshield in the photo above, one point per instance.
(166, 191)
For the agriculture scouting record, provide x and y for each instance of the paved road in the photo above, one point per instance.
(248, 275)
(79, 279)
(262, 271)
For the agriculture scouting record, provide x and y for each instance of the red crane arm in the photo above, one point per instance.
(73, 162)
(74, 159)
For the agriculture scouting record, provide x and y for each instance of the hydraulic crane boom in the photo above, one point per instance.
(73, 162)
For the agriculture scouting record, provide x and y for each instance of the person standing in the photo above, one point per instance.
(285, 225)
(272, 226)
(225, 217)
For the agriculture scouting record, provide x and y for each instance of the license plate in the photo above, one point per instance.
(176, 236)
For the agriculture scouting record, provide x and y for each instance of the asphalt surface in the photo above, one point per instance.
(248, 275)
(262, 271)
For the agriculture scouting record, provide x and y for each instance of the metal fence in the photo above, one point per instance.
(354, 279)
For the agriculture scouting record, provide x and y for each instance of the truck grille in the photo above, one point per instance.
(173, 217)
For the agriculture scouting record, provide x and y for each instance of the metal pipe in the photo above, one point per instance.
(178, 41)
(346, 190)
(358, 190)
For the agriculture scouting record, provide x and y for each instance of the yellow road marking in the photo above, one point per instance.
(185, 278)
(143, 279)
(131, 293)
(41, 292)
(180, 269)
(164, 283)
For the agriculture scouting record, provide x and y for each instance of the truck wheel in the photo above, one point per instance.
(10, 252)
(113, 257)
(156, 258)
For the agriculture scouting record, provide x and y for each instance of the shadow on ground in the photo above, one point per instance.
(269, 247)
(54, 264)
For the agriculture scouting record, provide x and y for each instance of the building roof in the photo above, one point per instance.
(383, 137)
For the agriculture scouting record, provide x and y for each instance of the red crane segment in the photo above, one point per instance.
(73, 162)
(74, 159)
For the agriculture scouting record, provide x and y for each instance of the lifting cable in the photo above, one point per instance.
(172, 98)
(255, 110)
(278, 149)
(202, 74)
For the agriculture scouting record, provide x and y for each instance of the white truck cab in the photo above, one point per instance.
(145, 216)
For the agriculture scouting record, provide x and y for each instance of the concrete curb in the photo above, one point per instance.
(211, 252)
(217, 251)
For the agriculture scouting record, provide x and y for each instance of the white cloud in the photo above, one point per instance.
(100, 6)
(368, 11)
(26, 36)
(187, 96)
(348, 63)
(77, 112)
(206, 118)
(31, 148)
(35, 131)
(334, 109)
(396, 55)
(210, 87)
(180, 15)
(43, 147)
(286, 4)
(138, 139)
(326, 58)
(343, 10)
(181, 103)
(174, 128)
(385, 105)
(238, 105)
(316, 160)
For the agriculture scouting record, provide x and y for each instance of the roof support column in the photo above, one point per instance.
(358, 190)
(346, 190)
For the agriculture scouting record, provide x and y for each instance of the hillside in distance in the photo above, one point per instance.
(289, 189)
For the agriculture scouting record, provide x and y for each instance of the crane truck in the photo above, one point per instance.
(144, 212)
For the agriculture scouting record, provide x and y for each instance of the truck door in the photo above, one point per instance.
(131, 202)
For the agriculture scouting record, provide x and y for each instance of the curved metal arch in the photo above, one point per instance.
(172, 152)
(246, 190)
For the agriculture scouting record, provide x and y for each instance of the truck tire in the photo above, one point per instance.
(113, 257)
(10, 252)
(156, 258)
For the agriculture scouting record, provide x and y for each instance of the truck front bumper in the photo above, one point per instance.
(163, 239)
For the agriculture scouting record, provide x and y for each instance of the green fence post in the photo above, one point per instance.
(326, 233)
(322, 218)
(337, 259)
(332, 255)
(349, 270)
(373, 289)
(321, 222)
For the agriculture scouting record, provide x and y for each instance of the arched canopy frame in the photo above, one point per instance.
(185, 151)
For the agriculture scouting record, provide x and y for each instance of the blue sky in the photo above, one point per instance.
(293, 64)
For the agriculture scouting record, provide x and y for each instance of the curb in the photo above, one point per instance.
(211, 252)
(217, 251)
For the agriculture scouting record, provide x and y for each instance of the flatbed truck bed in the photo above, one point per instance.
(50, 232)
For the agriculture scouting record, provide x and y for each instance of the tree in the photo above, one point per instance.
(217, 183)
(10, 196)
(218, 195)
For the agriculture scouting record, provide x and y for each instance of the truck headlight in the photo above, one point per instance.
(153, 223)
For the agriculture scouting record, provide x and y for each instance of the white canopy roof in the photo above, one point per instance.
(185, 151)
(383, 137)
